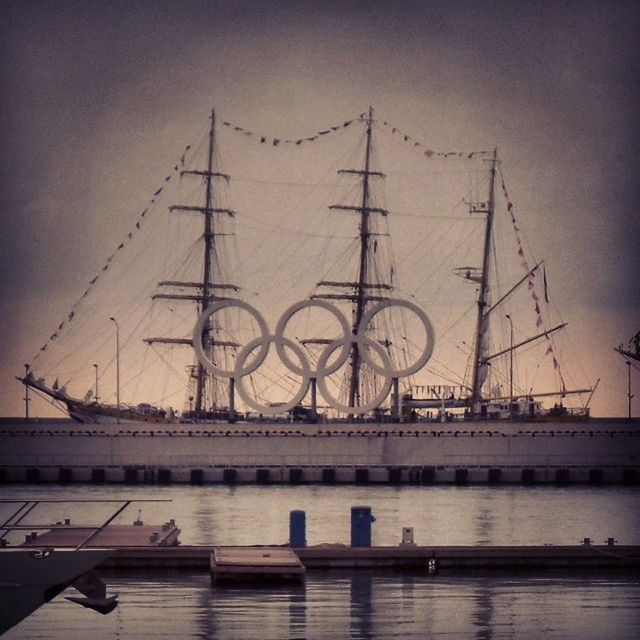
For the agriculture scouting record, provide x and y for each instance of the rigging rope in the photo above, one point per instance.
(138, 225)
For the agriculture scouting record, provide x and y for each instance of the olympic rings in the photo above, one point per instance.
(345, 342)
(198, 333)
(426, 323)
(304, 372)
(383, 368)
(386, 371)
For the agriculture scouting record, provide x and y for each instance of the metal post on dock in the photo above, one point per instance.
(297, 529)
(361, 520)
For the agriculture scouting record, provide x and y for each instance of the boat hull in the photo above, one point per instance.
(31, 577)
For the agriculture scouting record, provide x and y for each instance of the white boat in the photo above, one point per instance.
(31, 577)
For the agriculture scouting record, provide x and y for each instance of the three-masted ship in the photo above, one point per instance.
(362, 360)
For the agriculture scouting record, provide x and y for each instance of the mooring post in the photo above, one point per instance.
(297, 529)
(361, 520)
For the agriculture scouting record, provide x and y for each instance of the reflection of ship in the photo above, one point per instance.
(380, 350)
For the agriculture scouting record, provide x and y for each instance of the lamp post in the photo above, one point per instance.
(508, 317)
(117, 364)
(629, 396)
(27, 400)
(96, 397)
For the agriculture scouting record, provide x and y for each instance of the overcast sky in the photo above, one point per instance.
(98, 97)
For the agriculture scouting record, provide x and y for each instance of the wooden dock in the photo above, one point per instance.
(414, 558)
(115, 536)
(255, 564)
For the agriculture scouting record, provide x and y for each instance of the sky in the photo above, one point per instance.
(98, 98)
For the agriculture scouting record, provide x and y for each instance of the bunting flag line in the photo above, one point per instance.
(120, 247)
(274, 142)
(531, 283)
(430, 153)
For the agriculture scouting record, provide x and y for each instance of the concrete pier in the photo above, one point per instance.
(598, 451)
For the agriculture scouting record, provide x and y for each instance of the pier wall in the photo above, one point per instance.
(602, 452)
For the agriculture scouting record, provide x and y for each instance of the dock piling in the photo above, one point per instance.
(297, 529)
(361, 520)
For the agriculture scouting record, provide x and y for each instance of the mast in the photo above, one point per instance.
(360, 302)
(479, 360)
(208, 237)
(204, 290)
(360, 291)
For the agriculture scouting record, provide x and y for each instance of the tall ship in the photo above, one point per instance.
(385, 282)
(347, 306)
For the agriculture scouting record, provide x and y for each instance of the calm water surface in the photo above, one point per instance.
(360, 604)
(440, 515)
(356, 605)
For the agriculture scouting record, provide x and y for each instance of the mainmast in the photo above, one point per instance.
(360, 294)
(360, 303)
(479, 361)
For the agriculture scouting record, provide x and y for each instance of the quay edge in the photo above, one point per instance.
(598, 451)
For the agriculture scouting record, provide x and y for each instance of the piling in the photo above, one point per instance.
(297, 529)
(361, 521)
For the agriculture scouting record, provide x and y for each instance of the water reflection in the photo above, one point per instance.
(359, 605)
(298, 612)
(482, 616)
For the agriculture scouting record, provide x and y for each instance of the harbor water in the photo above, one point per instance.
(358, 604)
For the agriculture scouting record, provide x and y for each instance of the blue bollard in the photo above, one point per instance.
(361, 519)
(297, 529)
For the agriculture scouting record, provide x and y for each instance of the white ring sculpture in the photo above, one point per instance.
(304, 370)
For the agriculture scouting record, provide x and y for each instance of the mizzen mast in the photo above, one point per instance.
(479, 361)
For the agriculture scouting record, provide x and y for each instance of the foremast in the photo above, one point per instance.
(206, 288)
(207, 275)
(480, 363)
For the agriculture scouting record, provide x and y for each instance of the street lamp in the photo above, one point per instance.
(96, 397)
(27, 400)
(117, 364)
(508, 317)
(629, 395)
